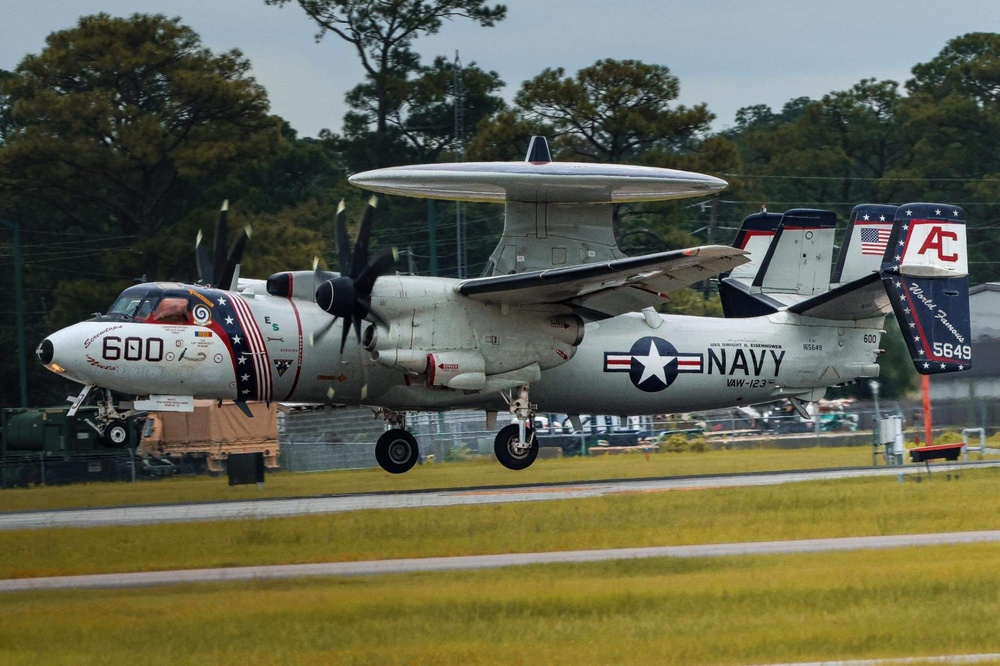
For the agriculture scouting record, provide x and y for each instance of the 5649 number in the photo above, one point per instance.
(948, 350)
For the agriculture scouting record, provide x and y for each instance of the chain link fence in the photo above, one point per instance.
(31, 469)
(331, 438)
(334, 438)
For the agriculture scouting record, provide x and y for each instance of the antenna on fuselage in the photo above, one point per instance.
(538, 151)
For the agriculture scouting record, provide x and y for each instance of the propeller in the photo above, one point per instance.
(219, 270)
(348, 296)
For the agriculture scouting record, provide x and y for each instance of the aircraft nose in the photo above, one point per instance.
(45, 351)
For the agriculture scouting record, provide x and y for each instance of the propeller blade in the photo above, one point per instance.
(202, 263)
(234, 259)
(360, 259)
(317, 336)
(383, 262)
(219, 244)
(343, 243)
(343, 336)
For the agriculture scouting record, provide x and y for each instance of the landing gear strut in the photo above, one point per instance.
(110, 424)
(515, 445)
(396, 450)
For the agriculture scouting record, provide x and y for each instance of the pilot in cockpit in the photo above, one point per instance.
(172, 310)
(153, 305)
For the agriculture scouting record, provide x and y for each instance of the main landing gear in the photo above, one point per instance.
(396, 450)
(515, 446)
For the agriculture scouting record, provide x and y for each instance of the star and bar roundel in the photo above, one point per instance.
(652, 363)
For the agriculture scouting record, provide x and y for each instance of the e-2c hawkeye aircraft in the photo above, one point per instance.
(561, 321)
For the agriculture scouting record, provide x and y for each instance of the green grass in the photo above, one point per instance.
(481, 472)
(866, 604)
(898, 603)
(851, 507)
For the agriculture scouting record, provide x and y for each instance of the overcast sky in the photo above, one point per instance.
(726, 53)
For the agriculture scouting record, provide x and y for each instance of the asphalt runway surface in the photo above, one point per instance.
(277, 508)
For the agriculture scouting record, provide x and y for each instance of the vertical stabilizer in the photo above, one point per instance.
(925, 272)
(798, 259)
(754, 237)
(865, 240)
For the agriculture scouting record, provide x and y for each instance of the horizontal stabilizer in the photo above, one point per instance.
(862, 299)
(911, 260)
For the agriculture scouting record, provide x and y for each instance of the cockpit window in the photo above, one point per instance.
(136, 302)
(145, 308)
(126, 305)
(161, 304)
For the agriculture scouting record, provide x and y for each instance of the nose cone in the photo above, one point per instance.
(56, 353)
(45, 351)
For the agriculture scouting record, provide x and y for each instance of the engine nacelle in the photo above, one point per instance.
(567, 328)
(300, 285)
(463, 344)
(409, 360)
(460, 369)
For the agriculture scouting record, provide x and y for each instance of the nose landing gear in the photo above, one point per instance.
(110, 424)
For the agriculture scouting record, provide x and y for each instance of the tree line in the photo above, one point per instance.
(119, 140)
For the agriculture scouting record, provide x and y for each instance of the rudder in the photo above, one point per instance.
(925, 273)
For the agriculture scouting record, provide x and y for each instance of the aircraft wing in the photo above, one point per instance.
(609, 288)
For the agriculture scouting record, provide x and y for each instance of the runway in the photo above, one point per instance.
(476, 562)
(277, 508)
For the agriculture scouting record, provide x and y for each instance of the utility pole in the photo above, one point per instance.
(713, 219)
(432, 236)
(19, 296)
(459, 94)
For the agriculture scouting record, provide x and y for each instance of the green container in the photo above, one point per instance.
(50, 431)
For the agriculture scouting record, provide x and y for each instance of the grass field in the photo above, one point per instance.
(851, 507)
(898, 603)
(481, 472)
(746, 610)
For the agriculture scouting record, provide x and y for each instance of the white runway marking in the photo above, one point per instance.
(373, 567)
(277, 508)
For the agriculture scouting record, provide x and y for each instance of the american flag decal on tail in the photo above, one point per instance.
(875, 238)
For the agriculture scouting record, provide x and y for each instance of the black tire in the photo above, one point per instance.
(511, 457)
(115, 435)
(396, 451)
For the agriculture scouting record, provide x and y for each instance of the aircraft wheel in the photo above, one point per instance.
(396, 451)
(509, 453)
(115, 434)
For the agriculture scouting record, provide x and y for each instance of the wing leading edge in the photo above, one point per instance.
(610, 288)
